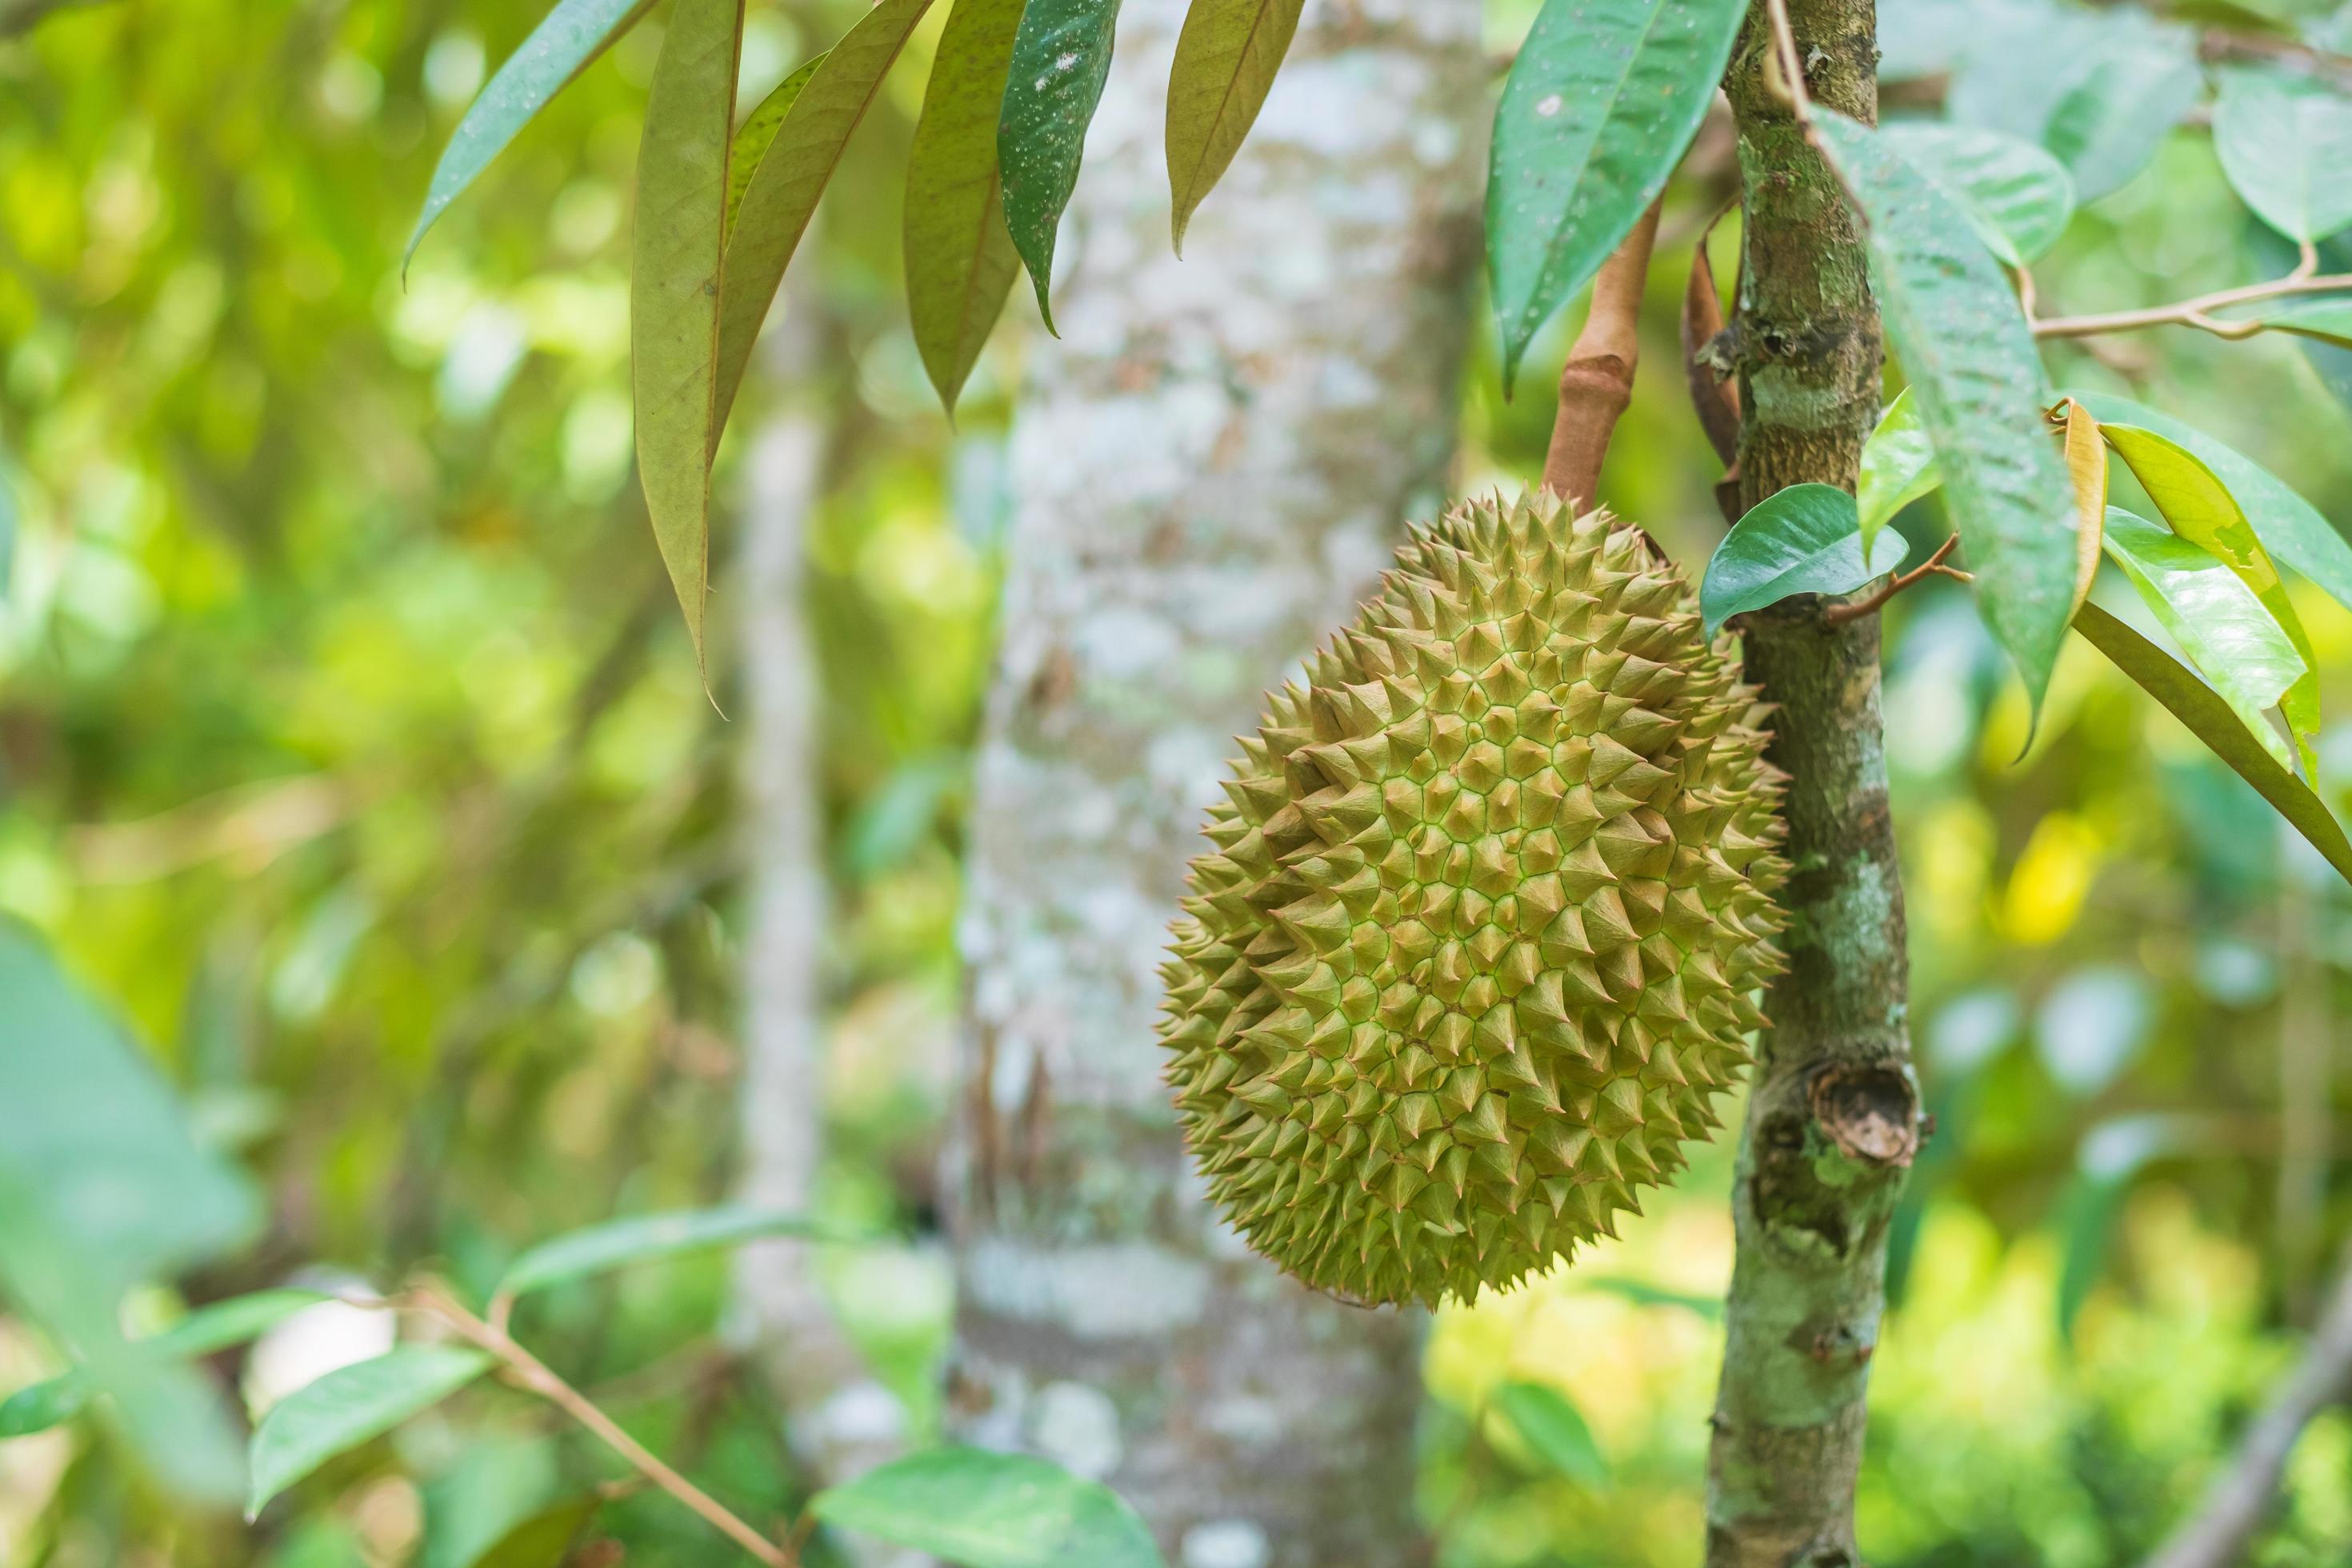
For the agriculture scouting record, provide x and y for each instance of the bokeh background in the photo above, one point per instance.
(350, 743)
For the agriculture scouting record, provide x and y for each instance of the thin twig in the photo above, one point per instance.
(2198, 312)
(1790, 88)
(535, 1376)
(1839, 614)
(2217, 1536)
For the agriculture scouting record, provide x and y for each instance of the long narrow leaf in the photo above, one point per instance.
(212, 1328)
(2197, 705)
(1061, 57)
(959, 257)
(758, 134)
(675, 284)
(1601, 103)
(562, 45)
(1226, 58)
(1973, 369)
(352, 1405)
(642, 1238)
(782, 195)
(2087, 466)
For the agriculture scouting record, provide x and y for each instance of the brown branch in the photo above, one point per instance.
(1715, 397)
(1839, 614)
(1598, 382)
(2198, 312)
(2217, 1536)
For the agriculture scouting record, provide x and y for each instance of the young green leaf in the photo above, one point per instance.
(2286, 141)
(2199, 507)
(643, 1237)
(2327, 318)
(2215, 618)
(1898, 467)
(352, 1405)
(1061, 57)
(562, 45)
(2100, 88)
(1601, 104)
(959, 257)
(675, 284)
(2210, 718)
(1553, 1430)
(1226, 58)
(2289, 526)
(2018, 196)
(1973, 369)
(758, 134)
(782, 195)
(212, 1328)
(1802, 539)
(980, 1509)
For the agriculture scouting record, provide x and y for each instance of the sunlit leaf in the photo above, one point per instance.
(675, 284)
(562, 45)
(980, 1509)
(959, 257)
(2087, 469)
(1061, 57)
(758, 134)
(782, 195)
(2285, 143)
(2214, 618)
(200, 1333)
(1972, 367)
(2018, 195)
(1553, 1430)
(643, 1237)
(1898, 467)
(1604, 98)
(2199, 507)
(2210, 718)
(2099, 88)
(352, 1405)
(1802, 539)
(1226, 58)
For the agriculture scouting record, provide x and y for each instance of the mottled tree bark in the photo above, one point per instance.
(1832, 1118)
(1209, 469)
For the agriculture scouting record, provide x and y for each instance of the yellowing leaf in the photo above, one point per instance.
(959, 257)
(675, 284)
(1226, 58)
(2087, 466)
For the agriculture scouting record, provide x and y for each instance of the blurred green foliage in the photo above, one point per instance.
(349, 741)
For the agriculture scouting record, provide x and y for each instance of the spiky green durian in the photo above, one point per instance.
(1489, 902)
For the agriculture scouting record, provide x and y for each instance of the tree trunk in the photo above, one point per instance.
(1832, 1118)
(1210, 468)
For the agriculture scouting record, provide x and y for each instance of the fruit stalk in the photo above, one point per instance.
(1832, 1120)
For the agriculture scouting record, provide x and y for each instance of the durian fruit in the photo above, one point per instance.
(1489, 901)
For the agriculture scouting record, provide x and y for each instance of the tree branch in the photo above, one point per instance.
(1853, 610)
(2217, 1536)
(2198, 312)
(1598, 381)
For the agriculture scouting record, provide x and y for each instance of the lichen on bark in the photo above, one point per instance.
(1833, 1114)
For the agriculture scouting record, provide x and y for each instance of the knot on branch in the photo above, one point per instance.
(1869, 1112)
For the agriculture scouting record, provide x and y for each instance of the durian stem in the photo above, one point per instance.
(1598, 382)
(1833, 1114)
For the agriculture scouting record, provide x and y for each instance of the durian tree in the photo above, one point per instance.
(1548, 848)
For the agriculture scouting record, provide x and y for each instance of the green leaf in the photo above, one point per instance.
(1641, 1293)
(1554, 1431)
(562, 45)
(643, 1237)
(675, 285)
(782, 194)
(758, 134)
(2111, 1154)
(2210, 718)
(1802, 539)
(2327, 318)
(2289, 525)
(102, 1186)
(2285, 143)
(1898, 467)
(2019, 196)
(1061, 59)
(2217, 620)
(2199, 507)
(2099, 88)
(203, 1332)
(545, 1539)
(1972, 366)
(959, 257)
(1226, 58)
(352, 1405)
(1601, 103)
(981, 1510)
